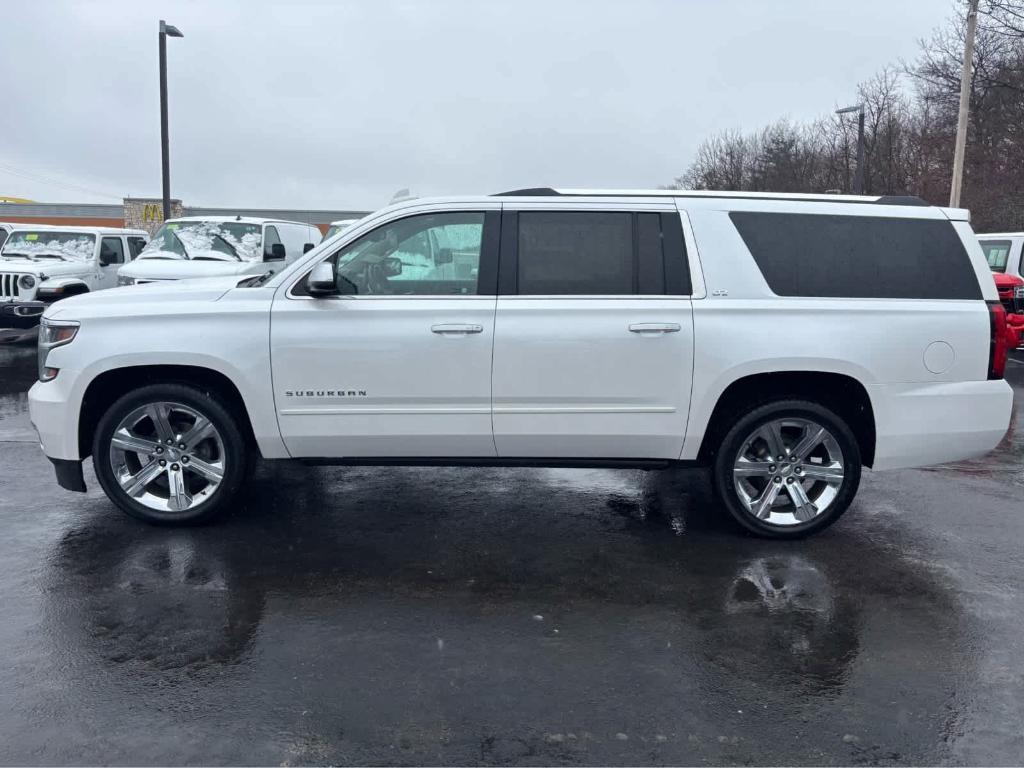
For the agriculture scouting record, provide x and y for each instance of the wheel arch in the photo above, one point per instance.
(67, 288)
(110, 385)
(842, 393)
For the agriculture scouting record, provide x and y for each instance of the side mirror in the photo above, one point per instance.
(277, 253)
(308, 247)
(104, 260)
(444, 256)
(321, 280)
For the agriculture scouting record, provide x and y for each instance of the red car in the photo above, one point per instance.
(1011, 294)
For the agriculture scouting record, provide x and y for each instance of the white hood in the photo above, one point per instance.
(130, 298)
(47, 267)
(175, 268)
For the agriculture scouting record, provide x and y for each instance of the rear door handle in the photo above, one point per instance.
(456, 329)
(654, 328)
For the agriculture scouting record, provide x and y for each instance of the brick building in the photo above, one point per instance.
(147, 213)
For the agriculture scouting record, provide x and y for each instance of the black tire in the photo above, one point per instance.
(236, 452)
(744, 426)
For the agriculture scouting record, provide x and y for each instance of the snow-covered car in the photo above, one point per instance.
(41, 264)
(338, 226)
(201, 246)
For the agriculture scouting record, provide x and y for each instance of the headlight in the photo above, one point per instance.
(26, 282)
(53, 333)
(123, 280)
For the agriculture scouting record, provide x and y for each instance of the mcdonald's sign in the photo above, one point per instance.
(152, 212)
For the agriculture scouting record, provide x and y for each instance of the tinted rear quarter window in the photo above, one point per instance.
(815, 255)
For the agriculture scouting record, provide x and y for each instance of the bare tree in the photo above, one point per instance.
(910, 116)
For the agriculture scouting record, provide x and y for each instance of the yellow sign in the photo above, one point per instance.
(152, 212)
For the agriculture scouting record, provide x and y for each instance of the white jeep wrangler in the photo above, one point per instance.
(784, 341)
(41, 264)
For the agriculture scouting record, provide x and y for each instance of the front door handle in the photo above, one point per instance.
(654, 328)
(456, 329)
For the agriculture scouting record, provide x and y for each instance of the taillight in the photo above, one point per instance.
(997, 340)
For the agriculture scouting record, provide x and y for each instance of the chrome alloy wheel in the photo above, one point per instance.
(788, 471)
(167, 456)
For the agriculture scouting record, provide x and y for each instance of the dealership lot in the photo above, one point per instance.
(520, 616)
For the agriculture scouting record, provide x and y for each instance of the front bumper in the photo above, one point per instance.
(53, 410)
(21, 314)
(1015, 330)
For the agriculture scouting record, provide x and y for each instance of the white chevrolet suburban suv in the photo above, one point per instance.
(41, 264)
(784, 341)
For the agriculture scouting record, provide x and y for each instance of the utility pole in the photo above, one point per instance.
(858, 174)
(166, 30)
(965, 103)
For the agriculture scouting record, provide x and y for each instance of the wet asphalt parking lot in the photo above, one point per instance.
(520, 616)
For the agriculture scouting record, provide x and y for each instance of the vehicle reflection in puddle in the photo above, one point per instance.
(17, 373)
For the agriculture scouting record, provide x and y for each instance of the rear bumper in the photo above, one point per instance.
(921, 424)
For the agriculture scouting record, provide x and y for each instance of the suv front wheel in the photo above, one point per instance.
(787, 469)
(170, 454)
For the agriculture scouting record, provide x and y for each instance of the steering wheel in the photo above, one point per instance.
(376, 281)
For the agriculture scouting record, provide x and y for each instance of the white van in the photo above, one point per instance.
(338, 226)
(202, 246)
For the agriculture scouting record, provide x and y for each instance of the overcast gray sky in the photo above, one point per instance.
(339, 104)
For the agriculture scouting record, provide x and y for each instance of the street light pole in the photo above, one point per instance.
(166, 30)
(965, 102)
(858, 175)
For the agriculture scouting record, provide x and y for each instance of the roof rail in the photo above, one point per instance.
(528, 192)
(792, 197)
(901, 200)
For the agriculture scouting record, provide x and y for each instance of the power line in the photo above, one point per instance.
(55, 182)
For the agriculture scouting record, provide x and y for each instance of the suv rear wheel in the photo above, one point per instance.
(170, 454)
(787, 469)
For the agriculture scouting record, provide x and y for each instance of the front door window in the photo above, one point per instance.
(426, 255)
(111, 252)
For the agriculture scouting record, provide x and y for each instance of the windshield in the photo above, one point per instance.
(63, 246)
(997, 252)
(205, 241)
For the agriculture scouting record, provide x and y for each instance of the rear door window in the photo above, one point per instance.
(575, 252)
(594, 253)
(828, 256)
